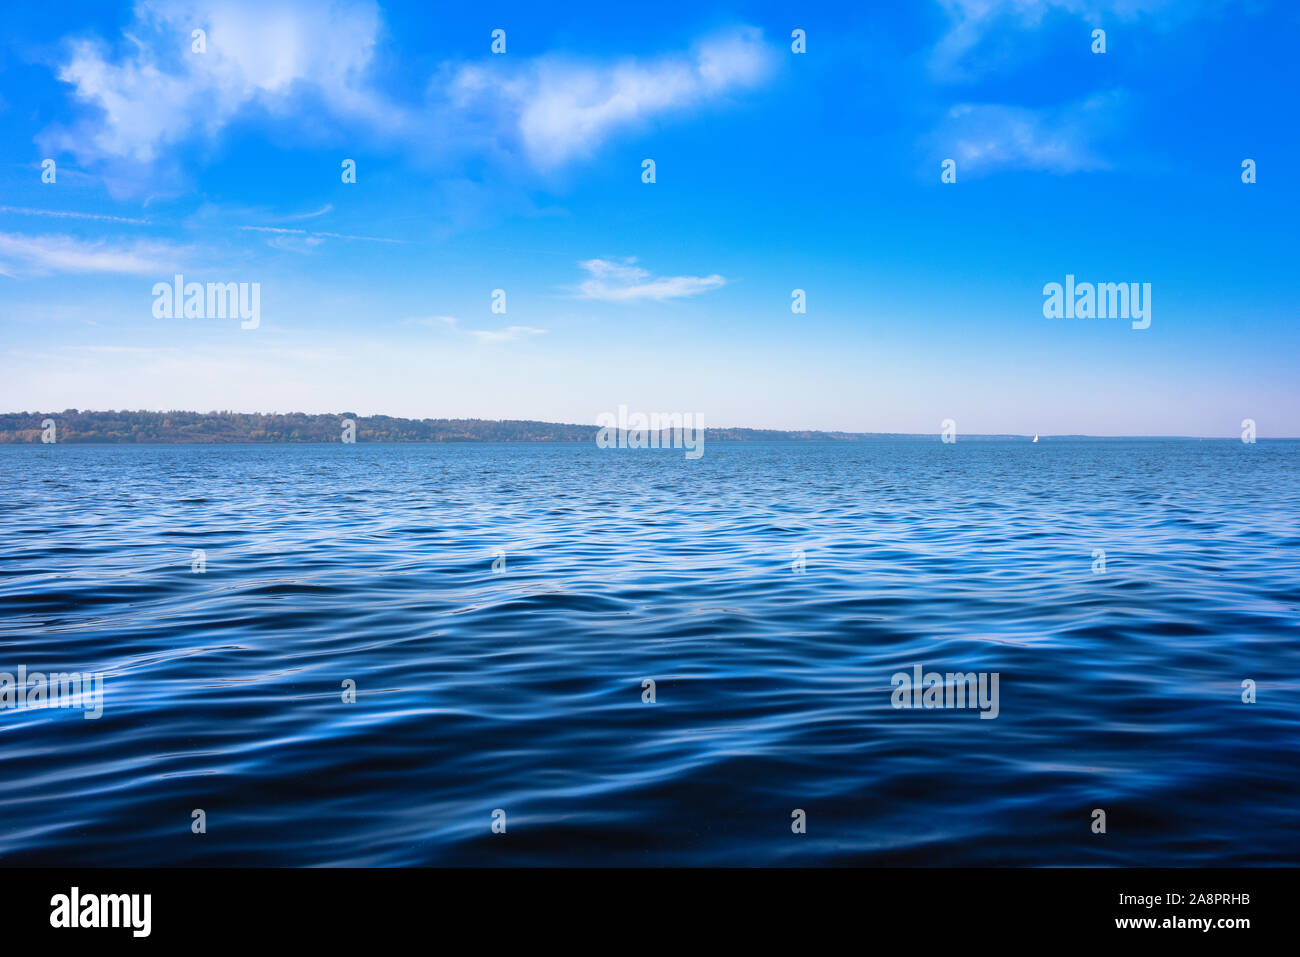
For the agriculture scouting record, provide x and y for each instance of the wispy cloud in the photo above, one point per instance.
(312, 234)
(69, 214)
(327, 208)
(504, 335)
(626, 282)
(972, 21)
(988, 137)
(480, 335)
(41, 255)
(561, 109)
(431, 322)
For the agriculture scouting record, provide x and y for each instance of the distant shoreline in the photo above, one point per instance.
(76, 427)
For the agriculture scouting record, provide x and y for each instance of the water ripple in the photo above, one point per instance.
(770, 590)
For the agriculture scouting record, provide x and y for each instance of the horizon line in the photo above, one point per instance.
(594, 426)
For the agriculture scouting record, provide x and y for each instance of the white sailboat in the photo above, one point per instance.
(1035, 436)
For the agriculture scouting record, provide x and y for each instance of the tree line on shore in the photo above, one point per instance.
(77, 426)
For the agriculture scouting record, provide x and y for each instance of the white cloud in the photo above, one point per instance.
(480, 335)
(986, 137)
(971, 21)
(41, 255)
(314, 236)
(295, 244)
(431, 322)
(259, 52)
(68, 214)
(559, 109)
(155, 93)
(626, 282)
(504, 335)
(327, 208)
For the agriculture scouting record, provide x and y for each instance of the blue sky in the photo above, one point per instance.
(775, 171)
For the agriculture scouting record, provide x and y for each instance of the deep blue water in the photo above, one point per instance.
(522, 690)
